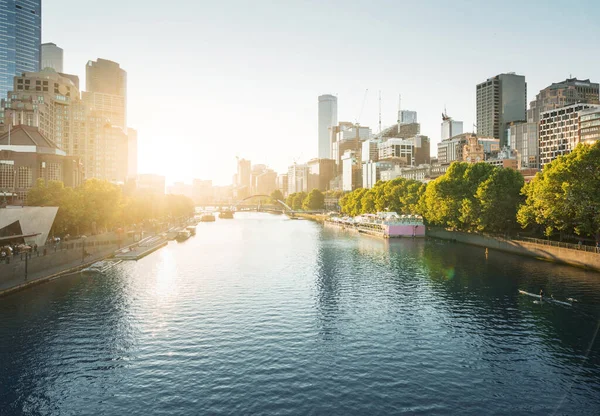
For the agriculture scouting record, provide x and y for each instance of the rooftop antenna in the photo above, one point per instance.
(380, 111)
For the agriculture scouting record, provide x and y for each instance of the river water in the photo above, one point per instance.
(265, 315)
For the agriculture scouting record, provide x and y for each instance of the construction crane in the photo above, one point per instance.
(361, 108)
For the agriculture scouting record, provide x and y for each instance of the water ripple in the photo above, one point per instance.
(261, 315)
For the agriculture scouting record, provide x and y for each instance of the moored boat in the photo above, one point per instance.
(226, 215)
(207, 217)
(182, 235)
(101, 267)
(382, 224)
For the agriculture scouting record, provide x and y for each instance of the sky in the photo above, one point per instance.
(209, 81)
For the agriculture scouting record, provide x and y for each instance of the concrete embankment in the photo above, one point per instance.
(577, 258)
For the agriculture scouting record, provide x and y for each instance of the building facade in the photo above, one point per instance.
(524, 140)
(48, 101)
(372, 172)
(351, 171)
(370, 150)
(21, 23)
(321, 172)
(559, 131)
(106, 91)
(500, 100)
(297, 178)
(451, 150)
(52, 57)
(26, 155)
(327, 119)
(282, 183)
(450, 127)
(473, 150)
(589, 125)
(564, 93)
(407, 117)
(399, 150)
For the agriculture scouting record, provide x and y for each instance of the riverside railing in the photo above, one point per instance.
(51, 249)
(580, 247)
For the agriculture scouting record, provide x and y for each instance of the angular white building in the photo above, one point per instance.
(33, 224)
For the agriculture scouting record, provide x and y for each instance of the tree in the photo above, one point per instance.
(565, 196)
(498, 199)
(449, 201)
(297, 200)
(276, 195)
(289, 201)
(315, 200)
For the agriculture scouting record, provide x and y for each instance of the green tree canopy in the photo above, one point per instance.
(99, 205)
(565, 196)
(276, 195)
(315, 200)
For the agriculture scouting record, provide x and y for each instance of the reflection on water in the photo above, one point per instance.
(266, 315)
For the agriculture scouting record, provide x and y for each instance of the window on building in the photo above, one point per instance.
(53, 171)
(25, 177)
(7, 174)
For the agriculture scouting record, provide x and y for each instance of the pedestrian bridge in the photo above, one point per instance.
(246, 204)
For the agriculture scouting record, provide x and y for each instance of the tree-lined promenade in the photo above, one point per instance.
(99, 206)
(562, 200)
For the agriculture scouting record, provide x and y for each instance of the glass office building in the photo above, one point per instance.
(20, 39)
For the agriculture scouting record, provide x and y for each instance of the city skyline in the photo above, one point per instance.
(254, 71)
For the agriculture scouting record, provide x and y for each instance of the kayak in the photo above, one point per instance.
(545, 299)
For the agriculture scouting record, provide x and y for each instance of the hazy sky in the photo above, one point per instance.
(211, 80)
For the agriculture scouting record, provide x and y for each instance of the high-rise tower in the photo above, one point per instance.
(500, 100)
(20, 39)
(106, 91)
(52, 57)
(327, 119)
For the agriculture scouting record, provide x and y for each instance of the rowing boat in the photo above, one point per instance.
(545, 298)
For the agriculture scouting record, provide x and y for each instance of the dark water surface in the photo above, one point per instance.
(263, 315)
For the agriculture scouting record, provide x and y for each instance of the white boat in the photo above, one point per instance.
(101, 266)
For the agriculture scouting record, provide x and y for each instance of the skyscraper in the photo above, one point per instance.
(52, 57)
(20, 39)
(105, 77)
(500, 100)
(106, 85)
(327, 119)
(450, 127)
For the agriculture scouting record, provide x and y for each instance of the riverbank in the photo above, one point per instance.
(577, 258)
(21, 274)
(314, 217)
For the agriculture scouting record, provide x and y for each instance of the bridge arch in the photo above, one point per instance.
(265, 196)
